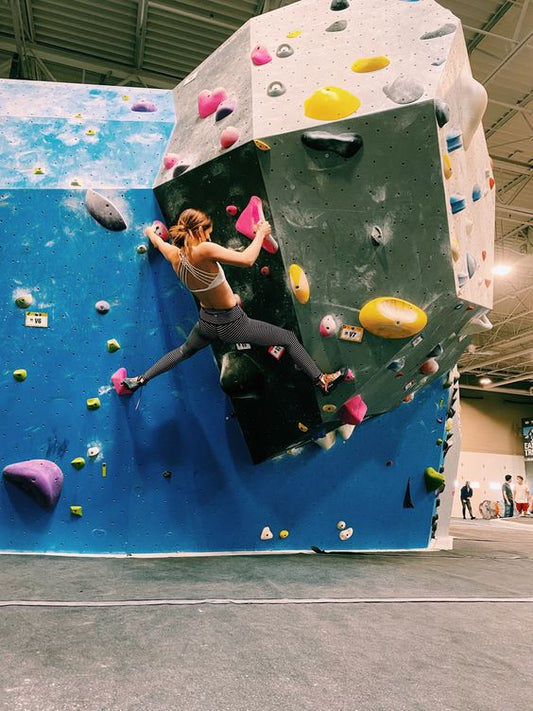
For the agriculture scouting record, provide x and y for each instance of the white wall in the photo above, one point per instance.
(485, 472)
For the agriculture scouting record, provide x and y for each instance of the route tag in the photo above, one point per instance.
(243, 346)
(351, 333)
(276, 351)
(36, 319)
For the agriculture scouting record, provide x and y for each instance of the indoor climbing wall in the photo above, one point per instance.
(359, 132)
(374, 174)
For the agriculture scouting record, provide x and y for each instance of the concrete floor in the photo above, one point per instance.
(443, 631)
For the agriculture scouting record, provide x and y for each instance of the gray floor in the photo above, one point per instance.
(445, 631)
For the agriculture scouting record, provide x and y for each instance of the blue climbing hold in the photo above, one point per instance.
(457, 203)
(476, 193)
(454, 140)
(442, 112)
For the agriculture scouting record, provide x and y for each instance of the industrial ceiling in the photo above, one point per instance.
(156, 43)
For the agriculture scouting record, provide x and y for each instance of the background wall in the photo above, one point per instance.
(491, 444)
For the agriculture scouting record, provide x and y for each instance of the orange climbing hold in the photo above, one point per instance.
(331, 103)
(370, 64)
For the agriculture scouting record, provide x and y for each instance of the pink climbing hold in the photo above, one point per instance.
(265, 271)
(229, 136)
(209, 101)
(349, 375)
(161, 230)
(232, 210)
(261, 55)
(353, 411)
(429, 367)
(248, 219)
(117, 378)
(170, 160)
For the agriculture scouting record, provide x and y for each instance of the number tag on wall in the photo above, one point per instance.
(351, 333)
(36, 319)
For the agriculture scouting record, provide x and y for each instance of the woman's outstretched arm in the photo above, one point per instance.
(246, 258)
(168, 251)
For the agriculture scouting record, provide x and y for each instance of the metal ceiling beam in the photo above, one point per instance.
(192, 16)
(75, 59)
(509, 381)
(488, 25)
(507, 391)
(501, 359)
(512, 166)
(523, 42)
(20, 45)
(514, 294)
(140, 33)
(514, 210)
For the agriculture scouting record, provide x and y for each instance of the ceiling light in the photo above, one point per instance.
(501, 269)
(485, 381)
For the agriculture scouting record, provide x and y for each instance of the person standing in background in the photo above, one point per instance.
(507, 494)
(466, 495)
(521, 495)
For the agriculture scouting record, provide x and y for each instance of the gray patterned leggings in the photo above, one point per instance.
(234, 326)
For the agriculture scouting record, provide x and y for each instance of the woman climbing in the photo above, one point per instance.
(197, 262)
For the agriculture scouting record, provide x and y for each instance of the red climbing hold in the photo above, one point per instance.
(229, 136)
(170, 160)
(265, 271)
(232, 210)
(161, 230)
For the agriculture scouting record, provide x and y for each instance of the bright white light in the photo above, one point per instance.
(501, 269)
(495, 486)
(485, 381)
(474, 484)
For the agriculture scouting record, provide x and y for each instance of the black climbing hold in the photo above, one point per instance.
(104, 212)
(435, 352)
(376, 236)
(338, 26)
(179, 169)
(167, 474)
(240, 376)
(446, 446)
(345, 144)
(339, 5)
(407, 500)
(451, 412)
(435, 518)
(442, 112)
(437, 502)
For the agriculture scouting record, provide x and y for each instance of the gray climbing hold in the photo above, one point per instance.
(337, 26)
(284, 51)
(442, 112)
(404, 90)
(240, 376)
(276, 88)
(339, 5)
(462, 279)
(344, 144)
(471, 265)
(40, 478)
(104, 212)
(397, 365)
(446, 29)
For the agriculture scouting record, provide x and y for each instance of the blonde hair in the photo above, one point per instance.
(189, 229)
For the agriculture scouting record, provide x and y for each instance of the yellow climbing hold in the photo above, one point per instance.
(261, 145)
(90, 132)
(302, 427)
(390, 317)
(447, 166)
(299, 283)
(76, 510)
(78, 463)
(331, 103)
(125, 97)
(283, 534)
(38, 171)
(456, 249)
(296, 33)
(329, 408)
(78, 116)
(93, 403)
(113, 345)
(20, 374)
(370, 64)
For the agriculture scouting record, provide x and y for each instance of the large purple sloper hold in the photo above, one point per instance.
(40, 478)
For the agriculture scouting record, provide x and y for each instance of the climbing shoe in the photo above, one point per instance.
(133, 383)
(328, 381)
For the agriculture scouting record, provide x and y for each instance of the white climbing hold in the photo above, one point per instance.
(346, 431)
(347, 533)
(266, 534)
(327, 441)
(341, 525)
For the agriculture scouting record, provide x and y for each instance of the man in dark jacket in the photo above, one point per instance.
(466, 495)
(507, 494)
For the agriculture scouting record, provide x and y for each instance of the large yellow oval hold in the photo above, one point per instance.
(390, 317)
(331, 103)
(370, 64)
(299, 283)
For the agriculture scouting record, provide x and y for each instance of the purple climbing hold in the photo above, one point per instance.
(337, 5)
(225, 108)
(144, 107)
(40, 478)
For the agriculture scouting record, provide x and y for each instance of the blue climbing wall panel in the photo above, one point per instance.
(171, 472)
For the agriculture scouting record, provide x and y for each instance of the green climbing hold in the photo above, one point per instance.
(93, 403)
(20, 374)
(113, 345)
(76, 510)
(24, 300)
(434, 479)
(78, 463)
